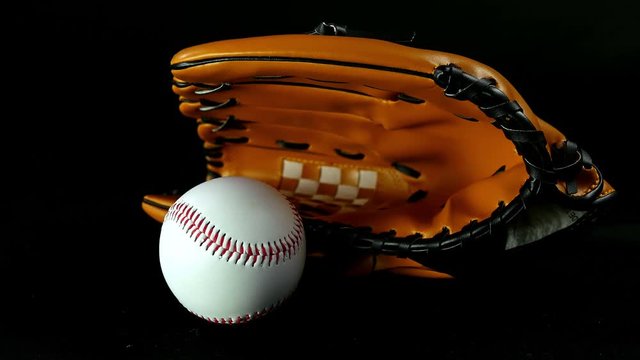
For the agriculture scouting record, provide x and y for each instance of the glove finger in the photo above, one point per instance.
(251, 101)
(359, 63)
(156, 206)
(473, 157)
(476, 144)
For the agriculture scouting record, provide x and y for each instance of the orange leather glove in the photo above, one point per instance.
(399, 153)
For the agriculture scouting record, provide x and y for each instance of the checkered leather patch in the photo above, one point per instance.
(325, 190)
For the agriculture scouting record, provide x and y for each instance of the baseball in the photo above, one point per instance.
(232, 249)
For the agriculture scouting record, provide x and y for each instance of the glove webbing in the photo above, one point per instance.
(530, 144)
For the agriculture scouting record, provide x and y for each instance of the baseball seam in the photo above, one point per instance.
(240, 319)
(215, 240)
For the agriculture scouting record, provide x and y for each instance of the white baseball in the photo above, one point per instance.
(232, 249)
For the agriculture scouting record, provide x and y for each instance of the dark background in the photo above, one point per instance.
(90, 125)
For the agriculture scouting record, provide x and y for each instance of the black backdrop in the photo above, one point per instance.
(90, 125)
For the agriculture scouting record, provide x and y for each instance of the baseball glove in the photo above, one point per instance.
(399, 154)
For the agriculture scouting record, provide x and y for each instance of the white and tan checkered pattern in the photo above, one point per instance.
(327, 189)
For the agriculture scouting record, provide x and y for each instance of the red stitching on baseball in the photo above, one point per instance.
(246, 254)
(240, 319)
(191, 221)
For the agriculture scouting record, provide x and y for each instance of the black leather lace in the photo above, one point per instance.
(544, 172)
